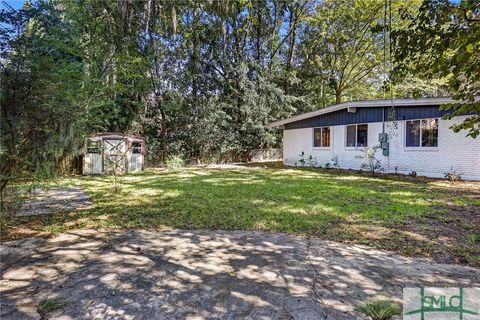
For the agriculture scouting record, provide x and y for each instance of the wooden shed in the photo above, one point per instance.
(106, 153)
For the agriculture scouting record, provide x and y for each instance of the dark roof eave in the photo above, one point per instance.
(366, 104)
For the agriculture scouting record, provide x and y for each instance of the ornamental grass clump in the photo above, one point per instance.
(379, 309)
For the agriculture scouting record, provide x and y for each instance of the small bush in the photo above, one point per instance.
(453, 176)
(175, 162)
(334, 161)
(379, 309)
(311, 161)
(373, 164)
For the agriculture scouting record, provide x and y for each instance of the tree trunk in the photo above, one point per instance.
(338, 95)
(163, 134)
(259, 33)
(195, 71)
(291, 47)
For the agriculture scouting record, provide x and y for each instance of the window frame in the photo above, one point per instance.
(420, 147)
(90, 146)
(321, 142)
(135, 148)
(356, 147)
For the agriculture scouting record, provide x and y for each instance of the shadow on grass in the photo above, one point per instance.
(386, 212)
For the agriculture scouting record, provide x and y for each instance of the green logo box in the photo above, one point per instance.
(441, 303)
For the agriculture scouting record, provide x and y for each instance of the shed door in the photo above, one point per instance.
(92, 163)
(114, 155)
(135, 162)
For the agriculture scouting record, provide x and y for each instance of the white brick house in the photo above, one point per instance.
(417, 140)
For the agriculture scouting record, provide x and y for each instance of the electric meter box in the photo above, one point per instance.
(383, 137)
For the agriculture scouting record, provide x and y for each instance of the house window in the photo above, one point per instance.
(421, 133)
(136, 147)
(357, 135)
(93, 146)
(321, 137)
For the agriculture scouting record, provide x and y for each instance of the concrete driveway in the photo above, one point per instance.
(178, 274)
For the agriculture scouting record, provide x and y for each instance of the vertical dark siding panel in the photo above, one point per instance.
(366, 115)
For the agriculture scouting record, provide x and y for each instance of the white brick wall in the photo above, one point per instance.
(454, 150)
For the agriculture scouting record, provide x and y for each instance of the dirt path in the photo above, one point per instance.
(206, 275)
(55, 200)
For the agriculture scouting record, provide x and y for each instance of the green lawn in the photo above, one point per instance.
(413, 216)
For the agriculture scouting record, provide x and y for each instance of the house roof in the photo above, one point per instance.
(366, 104)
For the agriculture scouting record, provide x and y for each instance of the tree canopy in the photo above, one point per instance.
(203, 78)
(442, 41)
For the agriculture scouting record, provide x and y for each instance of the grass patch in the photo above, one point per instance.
(413, 216)
(474, 238)
(379, 309)
(49, 305)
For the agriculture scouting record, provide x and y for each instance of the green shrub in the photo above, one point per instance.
(175, 162)
(453, 176)
(311, 161)
(379, 309)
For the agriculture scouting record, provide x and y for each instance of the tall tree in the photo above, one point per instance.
(114, 66)
(443, 41)
(42, 120)
(342, 48)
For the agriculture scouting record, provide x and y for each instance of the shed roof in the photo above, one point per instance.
(102, 135)
(367, 104)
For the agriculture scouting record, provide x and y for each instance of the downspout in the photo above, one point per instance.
(383, 120)
(381, 143)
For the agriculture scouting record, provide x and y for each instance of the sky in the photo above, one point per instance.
(15, 4)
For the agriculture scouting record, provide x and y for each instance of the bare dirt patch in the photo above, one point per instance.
(55, 200)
